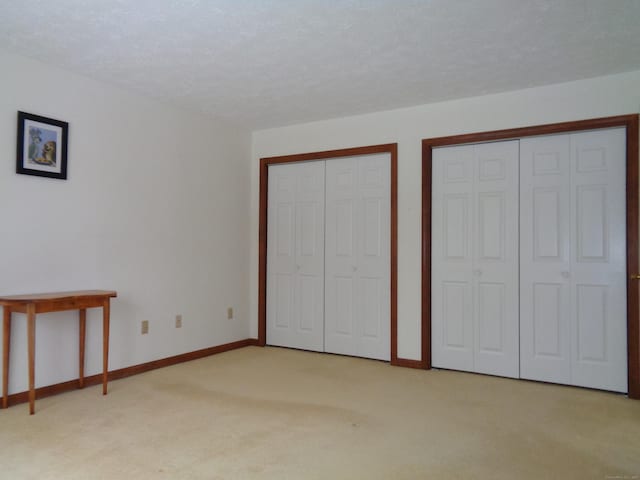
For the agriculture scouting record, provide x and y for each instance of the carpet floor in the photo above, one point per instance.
(272, 413)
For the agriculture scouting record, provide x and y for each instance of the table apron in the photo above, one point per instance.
(59, 305)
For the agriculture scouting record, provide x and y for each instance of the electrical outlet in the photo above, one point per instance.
(178, 321)
(145, 327)
(230, 313)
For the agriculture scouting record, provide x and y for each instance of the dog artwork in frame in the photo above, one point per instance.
(42, 146)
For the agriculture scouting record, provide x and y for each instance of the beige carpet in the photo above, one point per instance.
(273, 413)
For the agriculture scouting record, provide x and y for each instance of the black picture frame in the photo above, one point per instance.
(42, 146)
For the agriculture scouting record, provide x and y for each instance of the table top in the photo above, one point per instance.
(55, 296)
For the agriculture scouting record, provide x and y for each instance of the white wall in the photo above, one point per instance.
(598, 97)
(155, 207)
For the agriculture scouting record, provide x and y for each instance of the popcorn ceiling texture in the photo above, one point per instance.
(260, 63)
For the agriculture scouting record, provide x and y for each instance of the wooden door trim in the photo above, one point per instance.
(630, 123)
(392, 150)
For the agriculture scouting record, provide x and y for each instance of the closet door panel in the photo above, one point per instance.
(452, 260)
(374, 257)
(545, 241)
(295, 256)
(598, 320)
(573, 259)
(281, 271)
(495, 259)
(357, 280)
(341, 275)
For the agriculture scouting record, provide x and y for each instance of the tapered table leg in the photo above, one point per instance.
(31, 333)
(83, 328)
(105, 344)
(6, 345)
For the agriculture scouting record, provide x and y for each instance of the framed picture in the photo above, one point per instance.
(42, 146)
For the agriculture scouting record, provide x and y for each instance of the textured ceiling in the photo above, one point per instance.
(265, 63)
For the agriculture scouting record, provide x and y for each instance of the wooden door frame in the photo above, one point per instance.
(392, 150)
(630, 123)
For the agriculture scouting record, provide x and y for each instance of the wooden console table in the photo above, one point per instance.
(53, 302)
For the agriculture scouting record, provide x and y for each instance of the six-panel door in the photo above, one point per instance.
(573, 262)
(357, 271)
(475, 258)
(295, 256)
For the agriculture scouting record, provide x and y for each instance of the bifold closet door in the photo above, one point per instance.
(295, 255)
(357, 271)
(475, 258)
(573, 259)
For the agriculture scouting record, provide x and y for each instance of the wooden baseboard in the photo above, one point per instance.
(23, 397)
(407, 363)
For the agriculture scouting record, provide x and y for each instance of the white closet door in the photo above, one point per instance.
(357, 277)
(545, 248)
(496, 259)
(573, 259)
(598, 274)
(451, 258)
(295, 255)
(475, 258)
